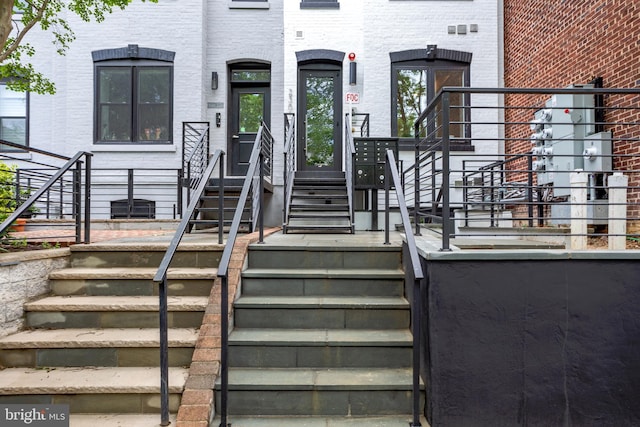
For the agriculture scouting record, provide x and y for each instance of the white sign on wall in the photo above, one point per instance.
(352, 97)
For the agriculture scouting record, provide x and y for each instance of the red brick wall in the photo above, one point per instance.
(555, 43)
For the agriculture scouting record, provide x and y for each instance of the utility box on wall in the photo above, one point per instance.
(370, 161)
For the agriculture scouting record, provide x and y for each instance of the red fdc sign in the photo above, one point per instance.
(352, 97)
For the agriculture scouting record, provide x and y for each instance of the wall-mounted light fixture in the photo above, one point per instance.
(353, 69)
(214, 80)
(353, 72)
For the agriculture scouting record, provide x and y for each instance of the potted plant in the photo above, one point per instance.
(8, 199)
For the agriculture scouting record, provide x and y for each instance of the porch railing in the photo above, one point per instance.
(161, 274)
(570, 172)
(255, 178)
(392, 180)
(289, 162)
(195, 155)
(349, 165)
(56, 189)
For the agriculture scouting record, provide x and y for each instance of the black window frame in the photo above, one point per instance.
(431, 60)
(6, 148)
(135, 59)
(319, 4)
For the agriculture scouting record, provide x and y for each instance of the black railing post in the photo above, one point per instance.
(221, 201)
(87, 197)
(387, 188)
(129, 192)
(77, 200)
(416, 330)
(416, 186)
(261, 198)
(530, 189)
(179, 191)
(224, 338)
(164, 353)
(446, 214)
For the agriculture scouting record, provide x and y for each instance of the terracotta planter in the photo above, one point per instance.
(19, 225)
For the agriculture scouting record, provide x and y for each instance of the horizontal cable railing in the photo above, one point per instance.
(51, 195)
(289, 162)
(195, 155)
(559, 165)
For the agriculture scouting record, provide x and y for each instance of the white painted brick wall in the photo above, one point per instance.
(206, 35)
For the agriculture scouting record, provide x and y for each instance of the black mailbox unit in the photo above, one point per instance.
(370, 160)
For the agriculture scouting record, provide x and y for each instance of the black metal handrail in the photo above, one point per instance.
(161, 275)
(289, 163)
(195, 155)
(349, 165)
(53, 182)
(256, 166)
(543, 130)
(392, 179)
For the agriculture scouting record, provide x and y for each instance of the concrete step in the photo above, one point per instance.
(130, 281)
(321, 348)
(144, 255)
(321, 312)
(95, 347)
(322, 281)
(319, 392)
(301, 421)
(330, 256)
(113, 312)
(93, 390)
(117, 420)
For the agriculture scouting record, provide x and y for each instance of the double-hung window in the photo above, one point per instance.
(133, 96)
(415, 82)
(13, 117)
(134, 104)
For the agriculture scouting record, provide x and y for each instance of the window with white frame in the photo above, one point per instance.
(13, 117)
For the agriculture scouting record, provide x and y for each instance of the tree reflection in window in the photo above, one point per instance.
(251, 112)
(319, 121)
(415, 86)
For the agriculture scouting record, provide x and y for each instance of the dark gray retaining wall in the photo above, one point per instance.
(515, 341)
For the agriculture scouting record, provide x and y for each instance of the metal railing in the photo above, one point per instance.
(359, 123)
(289, 162)
(161, 275)
(392, 180)
(195, 155)
(349, 165)
(55, 193)
(557, 165)
(255, 178)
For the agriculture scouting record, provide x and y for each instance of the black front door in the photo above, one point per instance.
(249, 107)
(320, 114)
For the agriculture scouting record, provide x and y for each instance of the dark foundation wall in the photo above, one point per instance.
(532, 343)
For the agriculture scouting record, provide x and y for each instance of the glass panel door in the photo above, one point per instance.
(320, 109)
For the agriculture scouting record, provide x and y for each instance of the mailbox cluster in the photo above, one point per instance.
(370, 161)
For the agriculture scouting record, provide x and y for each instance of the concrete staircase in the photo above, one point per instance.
(94, 342)
(321, 338)
(319, 204)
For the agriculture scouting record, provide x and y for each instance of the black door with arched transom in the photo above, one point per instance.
(250, 100)
(320, 118)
